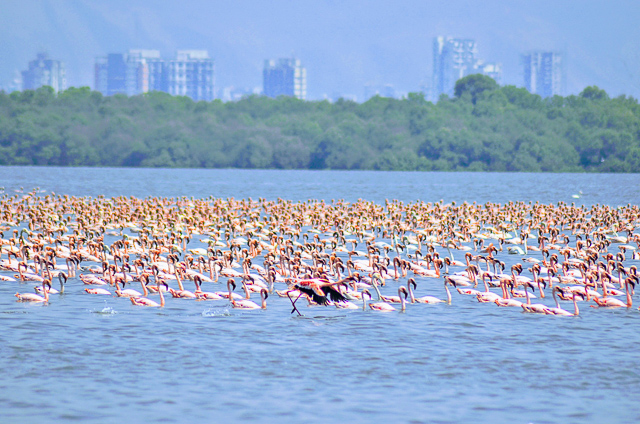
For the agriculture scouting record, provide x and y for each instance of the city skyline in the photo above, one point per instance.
(344, 46)
(192, 73)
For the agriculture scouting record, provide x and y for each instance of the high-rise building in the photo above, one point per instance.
(116, 74)
(100, 75)
(544, 73)
(138, 78)
(140, 71)
(44, 71)
(284, 77)
(111, 74)
(191, 74)
(455, 58)
(157, 72)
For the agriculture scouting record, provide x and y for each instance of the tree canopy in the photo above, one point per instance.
(474, 85)
(483, 128)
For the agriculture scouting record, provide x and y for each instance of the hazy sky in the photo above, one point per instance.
(343, 44)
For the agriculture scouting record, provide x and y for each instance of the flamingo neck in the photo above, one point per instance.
(179, 280)
(375, 286)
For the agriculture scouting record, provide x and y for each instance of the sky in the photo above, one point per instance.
(344, 45)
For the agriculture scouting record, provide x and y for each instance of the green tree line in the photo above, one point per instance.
(484, 127)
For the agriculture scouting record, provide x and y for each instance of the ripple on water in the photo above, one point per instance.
(211, 312)
(107, 310)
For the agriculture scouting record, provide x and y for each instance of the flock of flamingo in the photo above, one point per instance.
(336, 254)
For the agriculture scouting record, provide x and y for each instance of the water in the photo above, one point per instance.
(99, 359)
(611, 189)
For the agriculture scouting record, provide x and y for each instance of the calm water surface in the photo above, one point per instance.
(90, 359)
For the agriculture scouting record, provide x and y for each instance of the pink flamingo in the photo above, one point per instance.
(248, 304)
(559, 311)
(32, 297)
(143, 301)
(385, 307)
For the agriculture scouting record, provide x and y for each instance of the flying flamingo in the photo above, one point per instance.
(321, 289)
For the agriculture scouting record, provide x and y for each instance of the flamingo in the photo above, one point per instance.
(97, 291)
(347, 304)
(127, 292)
(535, 308)
(229, 293)
(182, 293)
(92, 279)
(143, 301)
(612, 302)
(385, 307)
(27, 276)
(486, 296)
(505, 301)
(390, 299)
(62, 278)
(559, 311)
(248, 304)
(32, 297)
(201, 295)
(321, 289)
(427, 299)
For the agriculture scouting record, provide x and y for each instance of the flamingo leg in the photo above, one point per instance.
(293, 303)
